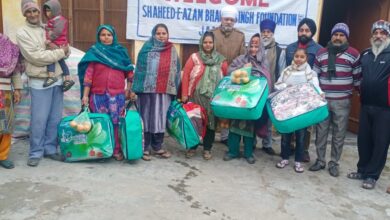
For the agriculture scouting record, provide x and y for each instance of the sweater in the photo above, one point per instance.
(102, 79)
(31, 41)
(348, 73)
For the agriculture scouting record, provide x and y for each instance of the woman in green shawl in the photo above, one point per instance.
(102, 73)
(201, 74)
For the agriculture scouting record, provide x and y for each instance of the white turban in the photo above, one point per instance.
(229, 12)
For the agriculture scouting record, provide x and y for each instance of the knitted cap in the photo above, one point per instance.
(229, 12)
(310, 23)
(29, 4)
(381, 24)
(268, 24)
(341, 27)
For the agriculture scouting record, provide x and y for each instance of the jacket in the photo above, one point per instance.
(375, 84)
(57, 26)
(231, 45)
(31, 41)
(311, 50)
(102, 79)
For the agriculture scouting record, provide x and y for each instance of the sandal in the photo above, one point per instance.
(67, 85)
(207, 155)
(146, 156)
(355, 176)
(282, 164)
(388, 190)
(298, 167)
(118, 157)
(190, 153)
(163, 154)
(50, 81)
(369, 183)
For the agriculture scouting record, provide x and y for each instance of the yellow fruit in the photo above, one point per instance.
(80, 128)
(245, 79)
(87, 126)
(73, 124)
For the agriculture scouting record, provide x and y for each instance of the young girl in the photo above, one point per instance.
(56, 35)
(298, 72)
(246, 128)
(201, 74)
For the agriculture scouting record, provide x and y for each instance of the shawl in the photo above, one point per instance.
(158, 67)
(9, 56)
(115, 55)
(212, 72)
(259, 65)
(271, 58)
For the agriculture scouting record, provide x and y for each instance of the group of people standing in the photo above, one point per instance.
(108, 78)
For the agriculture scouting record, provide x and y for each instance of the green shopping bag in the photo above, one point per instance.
(180, 127)
(240, 101)
(131, 133)
(98, 143)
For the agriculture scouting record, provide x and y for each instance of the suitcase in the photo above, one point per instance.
(131, 133)
(296, 107)
(183, 128)
(98, 143)
(240, 101)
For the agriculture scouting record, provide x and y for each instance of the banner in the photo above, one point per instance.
(187, 20)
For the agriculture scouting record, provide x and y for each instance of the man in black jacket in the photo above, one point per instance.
(374, 129)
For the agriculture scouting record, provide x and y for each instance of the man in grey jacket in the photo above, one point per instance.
(46, 103)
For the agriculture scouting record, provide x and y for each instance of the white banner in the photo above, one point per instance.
(187, 20)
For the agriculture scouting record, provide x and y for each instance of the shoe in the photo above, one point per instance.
(228, 157)
(56, 157)
(369, 183)
(250, 160)
(268, 150)
(306, 157)
(317, 166)
(7, 164)
(334, 170)
(67, 84)
(388, 190)
(118, 157)
(33, 162)
(49, 81)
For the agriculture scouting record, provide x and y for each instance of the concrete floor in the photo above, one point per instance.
(180, 188)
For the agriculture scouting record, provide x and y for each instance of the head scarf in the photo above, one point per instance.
(211, 75)
(9, 56)
(115, 55)
(259, 63)
(158, 67)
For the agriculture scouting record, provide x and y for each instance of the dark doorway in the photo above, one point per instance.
(333, 12)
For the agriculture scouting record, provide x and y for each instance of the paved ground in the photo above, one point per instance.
(180, 188)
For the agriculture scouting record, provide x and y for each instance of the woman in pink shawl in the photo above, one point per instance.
(10, 85)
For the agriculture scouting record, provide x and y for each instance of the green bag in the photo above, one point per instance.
(98, 143)
(240, 101)
(296, 107)
(180, 127)
(131, 133)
